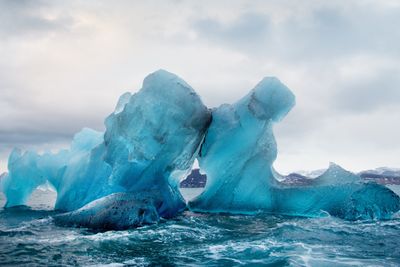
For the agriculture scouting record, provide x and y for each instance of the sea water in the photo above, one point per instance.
(29, 237)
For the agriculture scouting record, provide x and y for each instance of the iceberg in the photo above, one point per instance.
(129, 175)
(237, 156)
(150, 143)
(336, 192)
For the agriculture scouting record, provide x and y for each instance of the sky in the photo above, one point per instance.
(63, 65)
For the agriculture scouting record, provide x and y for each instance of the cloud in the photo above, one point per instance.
(64, 64)
(381, 90)
(321, 32)
(342, 32)
(249, 31)
(27, 18)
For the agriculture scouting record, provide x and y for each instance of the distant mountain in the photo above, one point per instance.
(296, 179)
(311, 174)
(385, 171)
(194, 180)
(383, 175)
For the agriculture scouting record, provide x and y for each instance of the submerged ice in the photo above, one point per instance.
(129, 175)
(118, 211)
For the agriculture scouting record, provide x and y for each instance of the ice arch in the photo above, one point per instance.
(130, 174)
(237, 155)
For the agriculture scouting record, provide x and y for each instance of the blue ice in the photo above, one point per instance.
(129, 175)
(117, 211)
(149, 145)
(238, 153)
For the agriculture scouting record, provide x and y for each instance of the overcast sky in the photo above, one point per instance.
(63, 65)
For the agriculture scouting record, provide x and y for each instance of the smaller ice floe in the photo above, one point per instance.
(118, 211)
(338, 192)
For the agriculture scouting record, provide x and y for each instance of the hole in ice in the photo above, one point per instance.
(43, 198)
(194, 183)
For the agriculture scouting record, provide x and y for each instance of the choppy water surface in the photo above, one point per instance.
(29, 237)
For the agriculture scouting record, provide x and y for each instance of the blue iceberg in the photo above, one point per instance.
(129, 175)
(237, 155)
(337, 192)
(149, 145)
(66, 171)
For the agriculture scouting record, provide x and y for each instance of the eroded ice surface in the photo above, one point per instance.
(150, 143)
(129, 175)
(65, 170)
(339, 193)
(237, 156)
(117, 211)
(239, 149)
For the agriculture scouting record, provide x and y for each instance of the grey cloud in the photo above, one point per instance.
(334, 32)
(382, 90)
(50, 90)
(249, 31)
(40, 130)
(325, 33)
(28, 17)
(30, 139)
